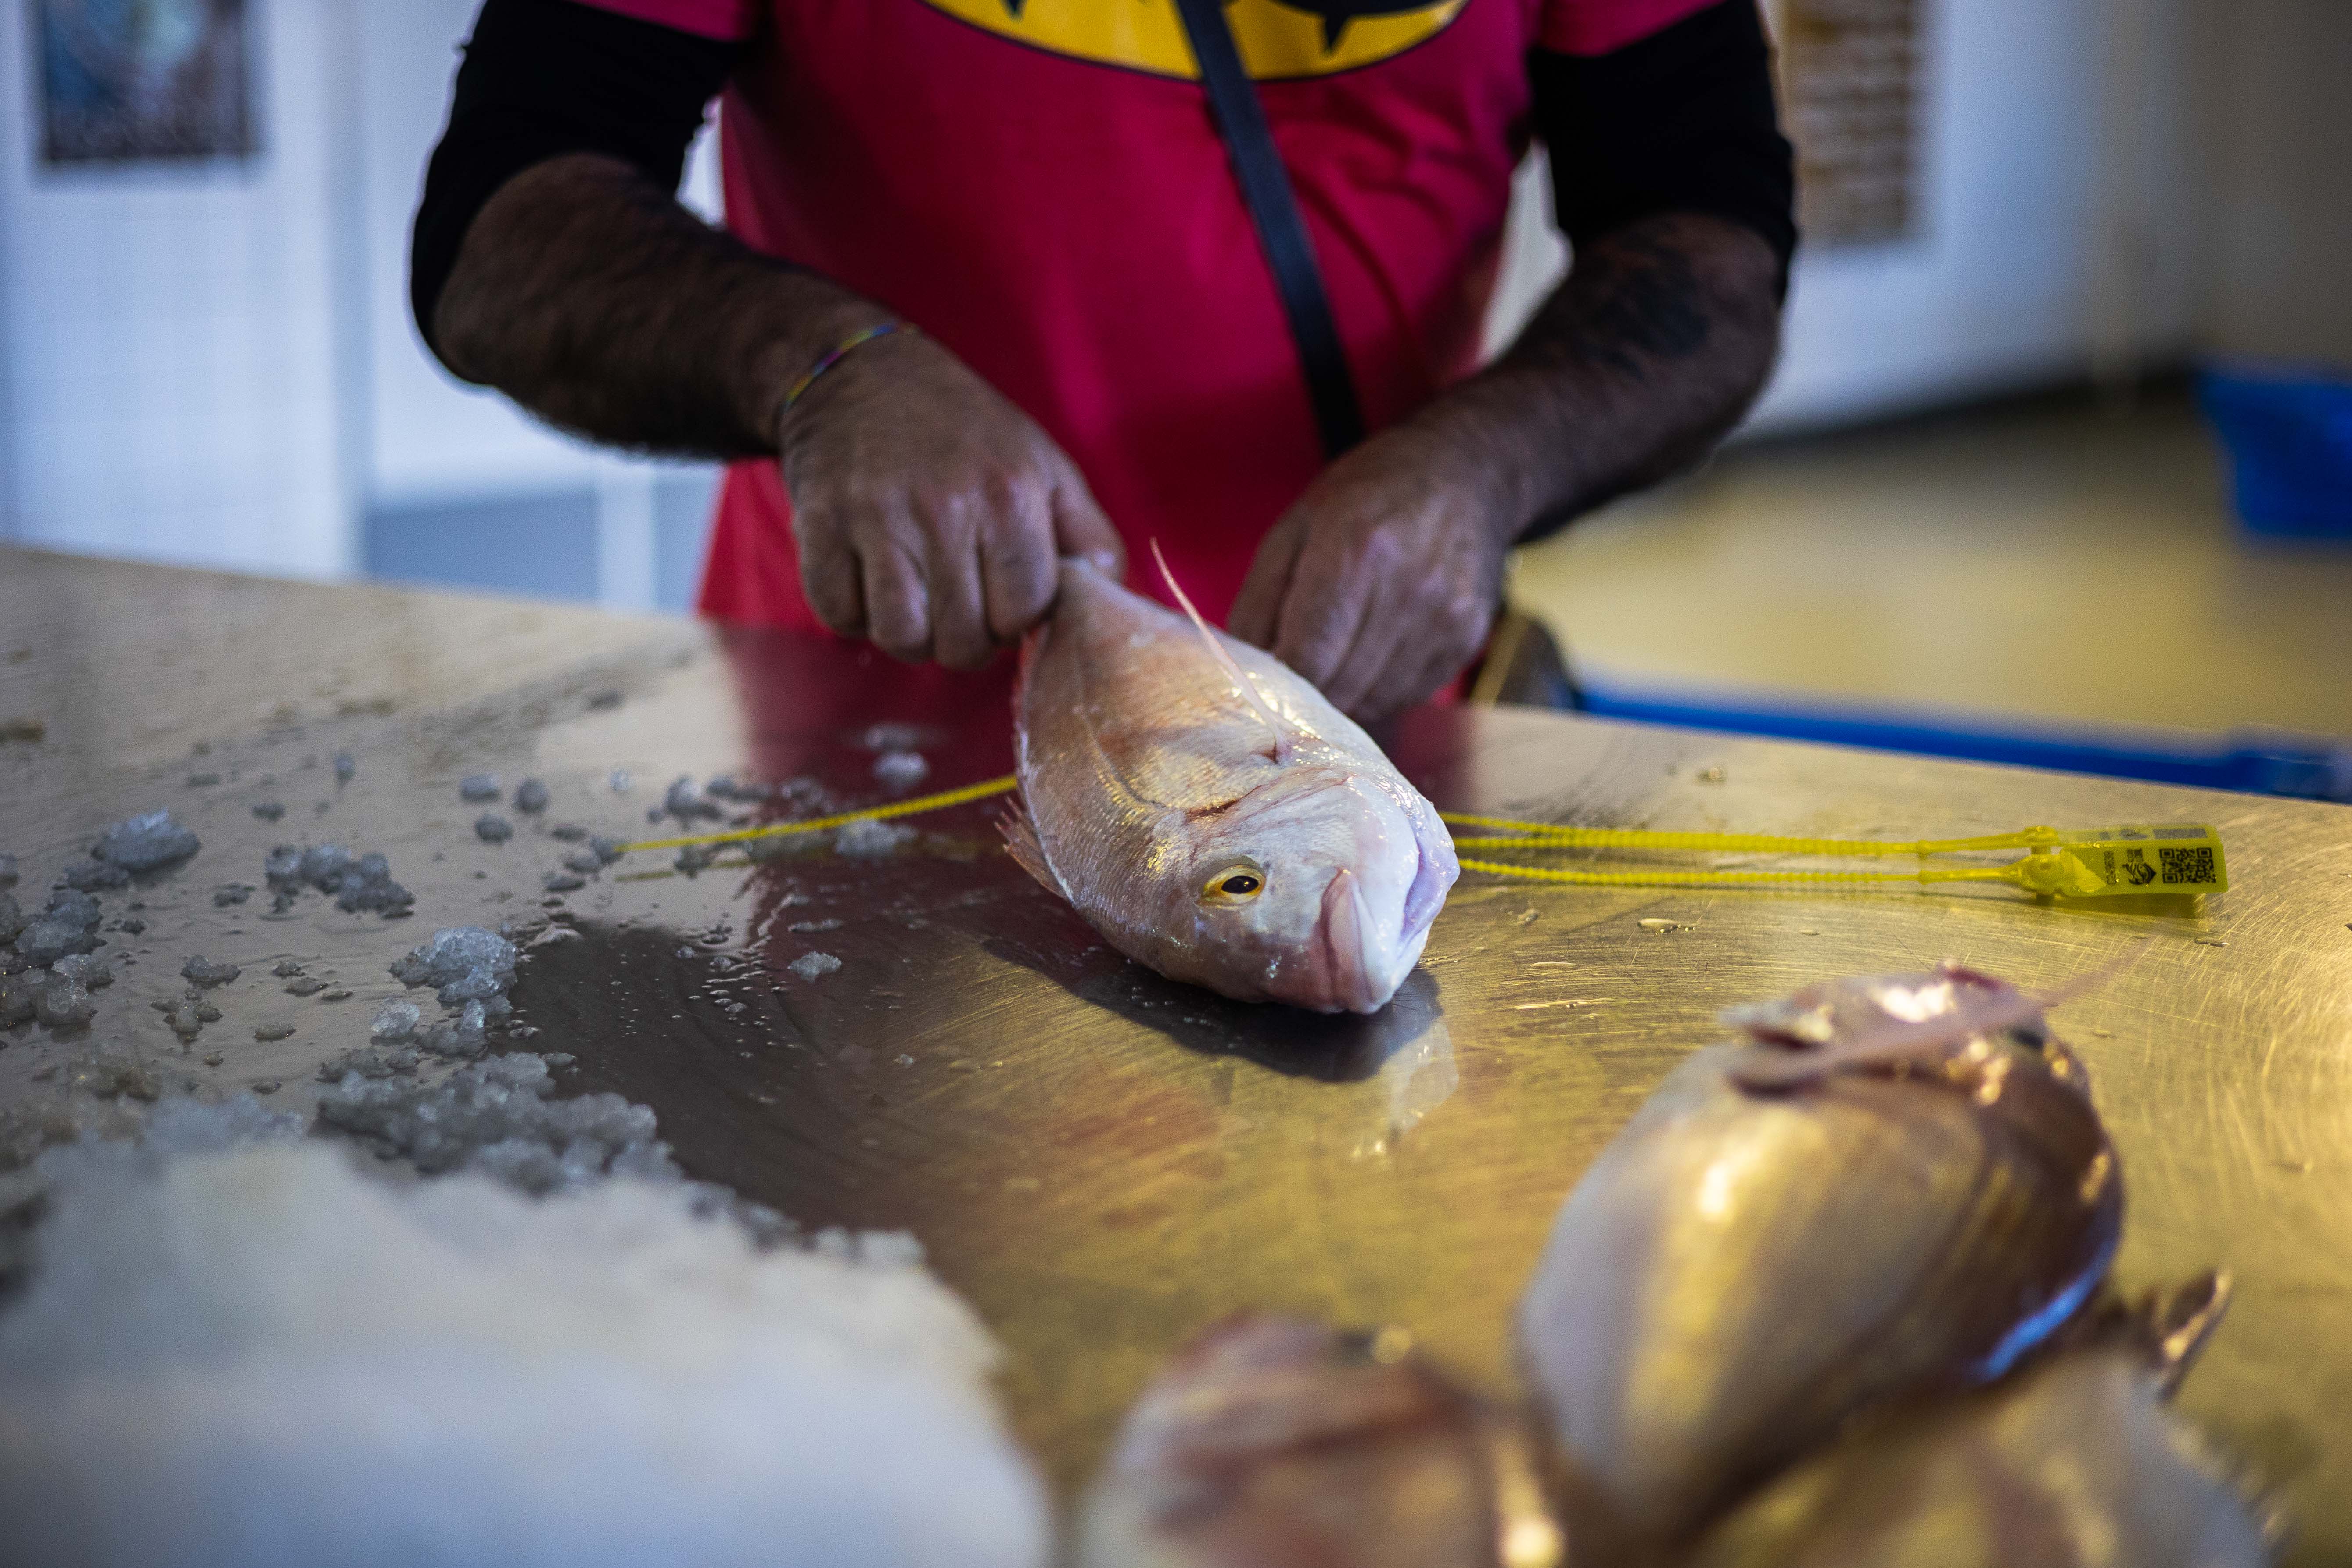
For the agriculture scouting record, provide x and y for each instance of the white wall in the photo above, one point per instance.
(215, 365)
(431, 436)
(2021, 269)
(169, 332)
(1996, 287)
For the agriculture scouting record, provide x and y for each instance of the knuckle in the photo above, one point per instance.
(1005, 491)
(899, 630)
(1015, 540)
(1375, 553)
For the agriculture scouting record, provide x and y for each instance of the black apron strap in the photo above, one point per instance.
(1265, 188)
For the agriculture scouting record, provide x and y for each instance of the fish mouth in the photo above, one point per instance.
(1350, 966)
(1427, 894)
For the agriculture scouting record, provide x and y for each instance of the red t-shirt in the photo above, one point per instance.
(1037, 185)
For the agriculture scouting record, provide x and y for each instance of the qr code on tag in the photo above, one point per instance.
(2186, 865)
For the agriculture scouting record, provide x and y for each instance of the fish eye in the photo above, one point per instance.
(1236, 884)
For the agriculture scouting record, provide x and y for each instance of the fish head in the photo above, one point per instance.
(1317, 889)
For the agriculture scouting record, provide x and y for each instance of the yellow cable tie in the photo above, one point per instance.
(2177, 858)
(1556, 836)
(921, 803)
(1663, 877)
(2091, 868)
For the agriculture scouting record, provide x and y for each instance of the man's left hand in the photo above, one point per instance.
(1381, 584)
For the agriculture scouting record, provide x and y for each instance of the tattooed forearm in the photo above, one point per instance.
(1635, 299)
(1653, 348)
(592, 299)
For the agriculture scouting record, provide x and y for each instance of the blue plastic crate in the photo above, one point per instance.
(2289, 434)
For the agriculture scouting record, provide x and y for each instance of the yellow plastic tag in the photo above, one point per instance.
(2171, 857)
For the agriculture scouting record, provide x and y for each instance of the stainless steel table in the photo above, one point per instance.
(1103, 1162)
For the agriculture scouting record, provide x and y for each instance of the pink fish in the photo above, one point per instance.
(1898, 1184)
(1273, 1443)
(1211, 815)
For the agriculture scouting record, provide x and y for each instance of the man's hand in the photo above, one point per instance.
(929, 510)
(1381, 583)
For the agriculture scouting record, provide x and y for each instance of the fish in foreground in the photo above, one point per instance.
(1271, 1442)
(1896, 1185)
(1210, 813)
(2072, 1462)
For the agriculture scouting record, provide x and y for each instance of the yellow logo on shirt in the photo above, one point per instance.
(1277, 38)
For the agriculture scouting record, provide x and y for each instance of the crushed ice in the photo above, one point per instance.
(868, 837)
(901, 770)
(146, 843)
(233, 1357)
(394, 1021)
(494, 1117)
(201, 971)
(68, 924)
(685, 802)
(357, 882)
(463, 963)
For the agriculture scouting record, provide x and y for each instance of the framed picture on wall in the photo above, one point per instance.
(1851, 74)
(126, 81)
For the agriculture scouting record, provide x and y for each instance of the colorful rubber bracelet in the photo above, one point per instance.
(833, 357)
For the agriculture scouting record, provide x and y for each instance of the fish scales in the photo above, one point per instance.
(2071, 1462)
(1900, 1184)
(1211, 815)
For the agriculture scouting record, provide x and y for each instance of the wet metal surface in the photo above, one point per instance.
(1101, 1162)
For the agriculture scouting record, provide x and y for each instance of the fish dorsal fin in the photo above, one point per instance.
(1241, 678)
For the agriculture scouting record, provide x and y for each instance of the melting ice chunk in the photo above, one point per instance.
(465, 963)
(146, 843)
(901, 770)
(201, 971)
(394, 1021)
(814, 965)
(869, 836)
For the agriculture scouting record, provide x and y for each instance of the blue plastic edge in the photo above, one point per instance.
(2305, 767)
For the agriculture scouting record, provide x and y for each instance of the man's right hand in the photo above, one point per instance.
(930, 511)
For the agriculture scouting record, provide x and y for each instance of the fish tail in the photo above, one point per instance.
(1242, 681)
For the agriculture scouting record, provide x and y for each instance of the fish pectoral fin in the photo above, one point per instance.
(1021, 843)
